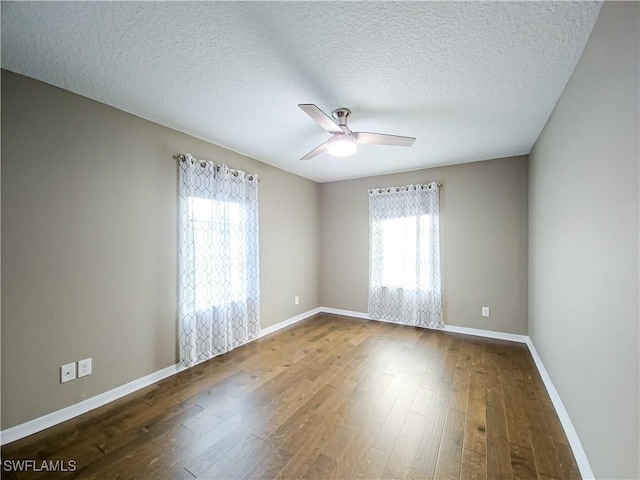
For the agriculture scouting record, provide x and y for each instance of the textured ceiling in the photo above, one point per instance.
(472, 81)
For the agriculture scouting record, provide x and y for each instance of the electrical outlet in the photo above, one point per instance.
(84, 367)
(296, 300)
(485, 311)
(67, 372)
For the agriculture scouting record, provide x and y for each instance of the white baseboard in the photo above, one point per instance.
(447, 328)
(46, 421)
(285, 323)
(346, 313)
(29, 428)
(563, 416)
(512, 337)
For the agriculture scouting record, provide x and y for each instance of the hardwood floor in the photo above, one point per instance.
(330, 397)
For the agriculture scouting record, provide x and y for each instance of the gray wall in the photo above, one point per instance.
(583, 284)
(89, 244)
(483, 235)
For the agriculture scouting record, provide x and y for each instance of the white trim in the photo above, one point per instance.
(285, 323)
(578, 452)
(512, 337)
(346, 313)
(47, 421)
(563, 416)
(41, 423)
(29, 428)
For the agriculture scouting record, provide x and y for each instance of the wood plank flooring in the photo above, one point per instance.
(330, 397)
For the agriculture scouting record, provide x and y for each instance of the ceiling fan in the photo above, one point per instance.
(343, 141)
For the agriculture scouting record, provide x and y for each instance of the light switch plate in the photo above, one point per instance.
(485, 311)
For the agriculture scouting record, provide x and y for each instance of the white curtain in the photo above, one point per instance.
(218, 259)
(404, 255)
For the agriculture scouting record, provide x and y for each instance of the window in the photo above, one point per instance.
(218, 259)
(404, 255)
(402, 240)
(214, 222)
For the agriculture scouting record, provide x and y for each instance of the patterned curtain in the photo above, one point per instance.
(218, 259)
(404, 255)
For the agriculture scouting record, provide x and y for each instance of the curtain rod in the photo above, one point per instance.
(182, 157)
(397, 189)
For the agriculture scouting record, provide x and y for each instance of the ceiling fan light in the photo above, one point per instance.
(341, 146)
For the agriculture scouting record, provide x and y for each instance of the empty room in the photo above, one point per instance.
(330, 240)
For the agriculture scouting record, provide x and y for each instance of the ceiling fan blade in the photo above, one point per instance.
(383, 139)
(320, 118)
(316, 151)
